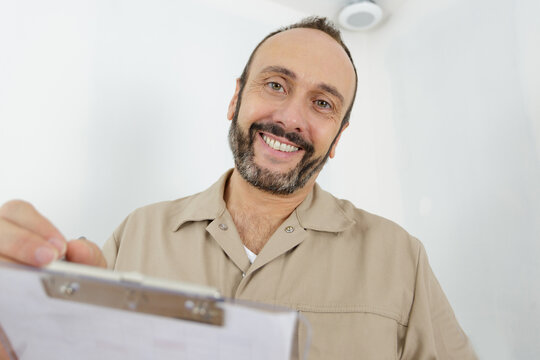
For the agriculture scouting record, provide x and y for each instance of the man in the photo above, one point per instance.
(266, 232)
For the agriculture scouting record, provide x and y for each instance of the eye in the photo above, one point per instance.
(275, 86)
(323, 104)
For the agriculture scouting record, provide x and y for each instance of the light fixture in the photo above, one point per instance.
(360, 15)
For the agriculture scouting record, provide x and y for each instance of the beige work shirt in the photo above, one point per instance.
(363, 283)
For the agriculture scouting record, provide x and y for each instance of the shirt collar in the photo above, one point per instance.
(319, 211)
(206, 205)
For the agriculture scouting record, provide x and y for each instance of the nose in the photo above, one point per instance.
(292, 114)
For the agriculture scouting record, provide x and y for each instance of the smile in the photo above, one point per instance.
(276, 145)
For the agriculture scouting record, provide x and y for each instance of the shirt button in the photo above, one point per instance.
(223, 227)
(243, 275)
(289, 229)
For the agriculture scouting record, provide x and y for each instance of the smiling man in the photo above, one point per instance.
(267, 232)
(292, 99)
(287, 114)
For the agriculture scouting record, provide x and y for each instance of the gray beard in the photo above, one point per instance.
(272, 181)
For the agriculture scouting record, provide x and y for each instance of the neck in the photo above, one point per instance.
(239, 194)
(257, 213)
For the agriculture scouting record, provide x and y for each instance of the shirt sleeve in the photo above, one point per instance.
(432, 331)
(112, 245)
(110, 251)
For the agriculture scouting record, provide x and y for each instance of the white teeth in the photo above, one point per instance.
(274, 144)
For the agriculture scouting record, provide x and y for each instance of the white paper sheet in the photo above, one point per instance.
(40, 327)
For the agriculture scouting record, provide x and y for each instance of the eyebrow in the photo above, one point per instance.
(281, 70)
(322, 86)
(332, 90)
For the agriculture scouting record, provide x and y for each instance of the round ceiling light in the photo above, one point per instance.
(360, 15)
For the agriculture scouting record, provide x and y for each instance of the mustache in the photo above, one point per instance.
(277, 130)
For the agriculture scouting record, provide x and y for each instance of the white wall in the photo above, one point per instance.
(107, 106)
(450, 108)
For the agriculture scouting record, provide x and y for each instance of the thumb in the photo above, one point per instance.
(85, 252)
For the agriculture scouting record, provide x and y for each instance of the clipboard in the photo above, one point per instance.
(68, 310)
(133, 292)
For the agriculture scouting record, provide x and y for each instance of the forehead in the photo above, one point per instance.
(312, 55)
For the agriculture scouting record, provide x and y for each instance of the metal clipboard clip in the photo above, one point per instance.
(133, 292)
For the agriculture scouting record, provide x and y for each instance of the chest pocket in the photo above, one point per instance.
(349, 335)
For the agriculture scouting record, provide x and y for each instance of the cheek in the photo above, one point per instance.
(252, 111)
(323, 137)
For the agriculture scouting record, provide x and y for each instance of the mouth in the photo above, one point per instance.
(275, 144)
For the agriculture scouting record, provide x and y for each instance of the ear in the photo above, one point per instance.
(333, 149)
(234, 100)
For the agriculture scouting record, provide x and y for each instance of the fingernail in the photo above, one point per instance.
(59, 244)
(45, 255)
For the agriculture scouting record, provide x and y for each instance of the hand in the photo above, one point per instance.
(28, 237)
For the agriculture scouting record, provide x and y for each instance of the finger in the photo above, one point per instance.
(6, 259)
(24, 246)
(24, 215)
(83, 251)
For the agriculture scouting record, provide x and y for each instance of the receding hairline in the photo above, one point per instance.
(273, 37)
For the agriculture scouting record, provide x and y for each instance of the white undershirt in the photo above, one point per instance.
(250, 254)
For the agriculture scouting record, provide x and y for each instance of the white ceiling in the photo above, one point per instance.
(331, 8)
